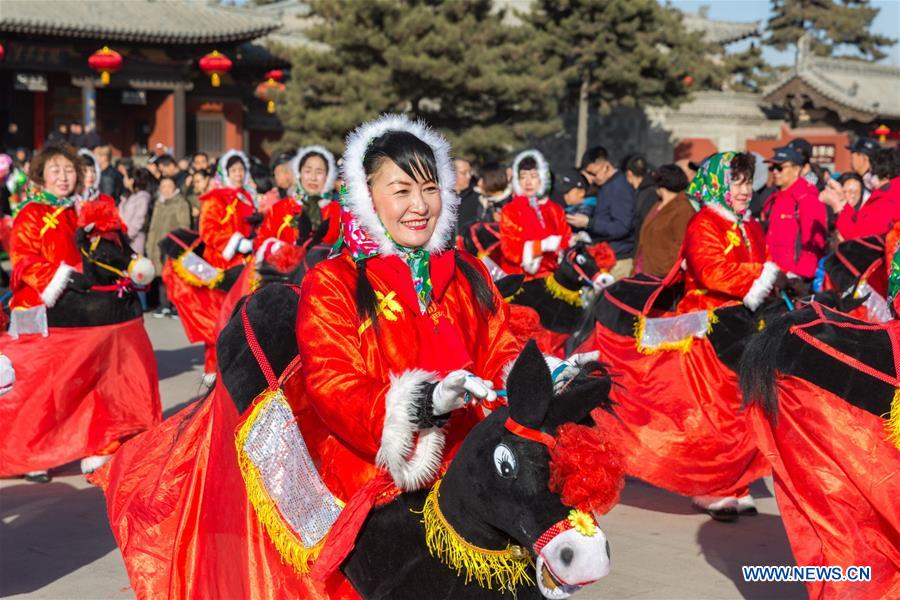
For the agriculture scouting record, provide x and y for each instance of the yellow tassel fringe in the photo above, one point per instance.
(192, 279)
(503, 569)
(892, 424)
(290, 547)
(556, 290)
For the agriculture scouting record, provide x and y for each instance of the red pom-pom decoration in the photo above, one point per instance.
(603, 255)
(287, 258)
(103, 215)
(585, 469)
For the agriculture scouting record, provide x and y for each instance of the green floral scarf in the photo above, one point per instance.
(32, 194)
(419, 262)
(711, 187)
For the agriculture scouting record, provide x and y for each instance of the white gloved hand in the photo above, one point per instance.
(564, 371)
(551, 243)
(450, 392)
(581, 236)
(245, 246)
(7, 374)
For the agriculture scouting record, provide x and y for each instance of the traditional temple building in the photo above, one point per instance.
(160, 94)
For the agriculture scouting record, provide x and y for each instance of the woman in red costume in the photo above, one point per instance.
(680, 417)
(70, 401)
(724, 247)
(315, 173)
(227, 218)
(43, 253)
(532, 228)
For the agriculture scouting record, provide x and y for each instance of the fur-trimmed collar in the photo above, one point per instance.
(358, 200)
(543, 172)
(330, 177)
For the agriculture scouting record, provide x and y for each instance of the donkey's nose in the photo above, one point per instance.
(566, 556)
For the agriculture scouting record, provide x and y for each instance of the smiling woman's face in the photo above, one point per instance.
(408, 208)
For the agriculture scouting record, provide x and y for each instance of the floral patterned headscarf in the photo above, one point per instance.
(712, 183)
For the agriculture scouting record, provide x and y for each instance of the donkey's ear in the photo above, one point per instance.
(575, 404)
(89, 227)
(529, 387)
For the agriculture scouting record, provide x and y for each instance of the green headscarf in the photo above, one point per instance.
(711, 186)
(33, 194)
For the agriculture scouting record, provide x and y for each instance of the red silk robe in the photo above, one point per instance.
(222, 225)
(350, 369)
(277, 225)
(42, 251)
(519, 225)
(721, 268)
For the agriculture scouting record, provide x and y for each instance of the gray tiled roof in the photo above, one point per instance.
(141, 21)
(868, 88)
(719, 32)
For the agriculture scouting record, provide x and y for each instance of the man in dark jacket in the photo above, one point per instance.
(468, 195)
(637, 173)
(613, 218)
(111, 181)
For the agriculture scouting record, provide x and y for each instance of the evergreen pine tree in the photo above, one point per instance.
(830, 23)
(622, 53)
(459, 65)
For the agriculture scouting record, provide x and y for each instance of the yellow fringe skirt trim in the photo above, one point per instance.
(503, 569)
(290, 547)
(559, 292)
(192, 279)
(892, 424)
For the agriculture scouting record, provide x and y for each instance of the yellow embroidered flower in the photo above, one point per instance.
(388, 306)
(582, 522)
(733, 238)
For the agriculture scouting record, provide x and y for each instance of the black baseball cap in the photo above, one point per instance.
(787, 154)
(864, 145)
(802, 146)
(570, 180)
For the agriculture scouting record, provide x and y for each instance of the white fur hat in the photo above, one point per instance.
(330, 177)
(359, 200)
(222, 167)
(543, 172)
(93, 158)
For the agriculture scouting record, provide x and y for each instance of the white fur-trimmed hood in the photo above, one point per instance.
(543, 172)
(330, 178)
(222, 169)
(359, 200)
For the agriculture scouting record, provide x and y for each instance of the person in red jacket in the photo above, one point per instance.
(532, 228)
(227, 212)
(90, 187)
(315, 173)
(724, 247)
(45, 259)
(797, 223)
(877, 214)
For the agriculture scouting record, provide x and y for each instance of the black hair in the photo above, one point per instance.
(196, 154)
(743, 165)
(280, 159)
(850, 175)
(235, 159)
(408, 152)
(165, 160)
(87, 160)
(142, 179)
(309, 155)
(493, 178)
(592, 155)
(882, 164)
(527, 164)
(636, 164)
(416, 159)
(670, 177)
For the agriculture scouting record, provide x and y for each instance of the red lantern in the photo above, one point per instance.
(266, 91)
(882, 132)
(215, 64)
(275, 74)
(687, 80)
(105, 61)
(2, 52)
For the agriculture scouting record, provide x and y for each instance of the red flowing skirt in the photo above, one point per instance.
(77, 391)
(678, 417)
(198, 307)
(837, 483)
(180, 513)
(242, 286)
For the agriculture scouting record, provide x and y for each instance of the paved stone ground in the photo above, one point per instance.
(55, 542)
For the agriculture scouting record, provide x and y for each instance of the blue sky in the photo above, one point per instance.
(886, 23)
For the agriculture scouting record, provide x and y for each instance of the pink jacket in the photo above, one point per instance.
(797, 228)
(875, 217)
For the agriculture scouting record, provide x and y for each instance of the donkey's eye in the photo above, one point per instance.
(505, 461)
(580, 259)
